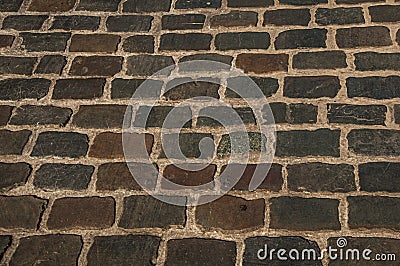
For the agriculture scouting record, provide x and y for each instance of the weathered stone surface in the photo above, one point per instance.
(294, 213)
(13, 218)
(148, 212)
(13, 175)
(51, 249)
(63, 176)
(231, 213)
(123, 250)
(13, 142)
(82, 213)
(198, 251)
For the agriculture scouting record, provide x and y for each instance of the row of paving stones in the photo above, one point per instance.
(310, 177)
(279, 17)
(138, 6)
(304, 87)
(378, 36)
(112, 116)
(225, 213)
(300, 143)
(143, 250)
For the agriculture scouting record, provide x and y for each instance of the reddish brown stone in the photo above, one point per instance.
(21, 212)
(103, 43)
(272, 179)
(114, 176)
(50, 249)
(109, 145)
(51, 6)
(231, 213)
(96, 66)
(178, 175)
(262, 63)
(85, 213)
(6, 40)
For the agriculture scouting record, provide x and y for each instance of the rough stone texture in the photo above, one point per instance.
(50, 42)
(128, 249)
(63, 176)
(53, 249)
(114, 176)
(292, 113)
(78, 88)
(234, 19)
(129, 23)
(373, 87)
(231, 213)
(182, 22)
(40, 115)
(311, 87)
(256, 143)
(282, 17)
(6, 41)
(197, 251)
(357, 114)
(262, 63)
(139, 44)
(374, 142)
(321, 142)
(148, 212)
(102, 43)
(310, 38)
(127, 88)
(377, 61)
(28, 219)
(5, 114)
(17, 65)
(109, 145)
(10, 6)
(339, 16)
(53, 6)
(373, 212)
(363, 37)
(24, 22)
(17, 89)
(382, 176)
(13, 175)
(76, 22)
(96, 66)
(147, 65)
(13, 142)
(272, 179)
(179, 175)
(98, 5)
(294, 213)
(61, 144)
(268, 87)
(147, 6)
(320, 60)
(316, 177)
(68, 213)
(185, 42)
(100, 116)
(51, 64)
(242, 40)
(188, 142)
